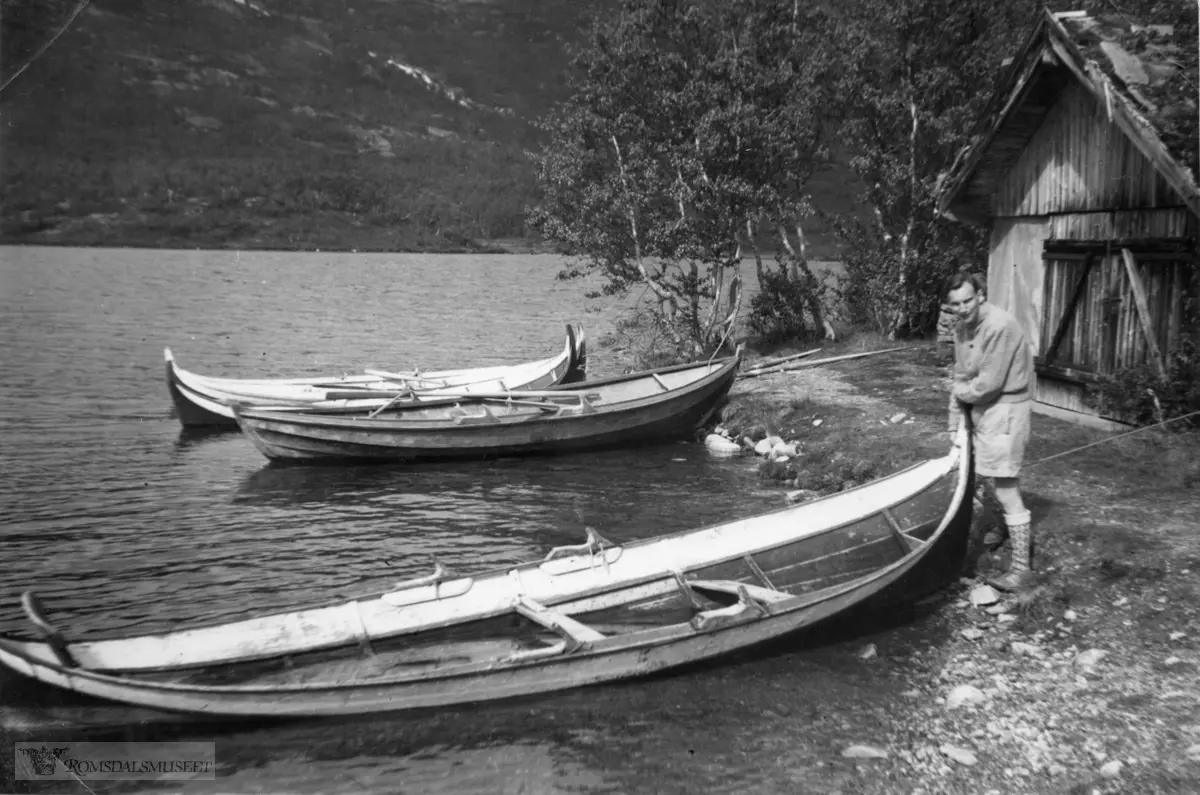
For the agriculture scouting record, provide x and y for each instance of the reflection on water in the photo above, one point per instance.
(122, 522)
(500, 769)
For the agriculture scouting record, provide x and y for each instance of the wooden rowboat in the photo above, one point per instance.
(622, 411)
(588, 616)
(206, 401)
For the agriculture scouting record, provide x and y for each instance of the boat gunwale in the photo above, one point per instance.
(200, 384)
(309, 417)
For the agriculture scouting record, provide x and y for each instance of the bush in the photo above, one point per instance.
(1140, 395)
(896, 297)
(639, 341)
(780, 309)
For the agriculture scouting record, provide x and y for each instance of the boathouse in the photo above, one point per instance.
(1092, 212)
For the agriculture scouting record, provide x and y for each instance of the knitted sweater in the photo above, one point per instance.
(993, 361)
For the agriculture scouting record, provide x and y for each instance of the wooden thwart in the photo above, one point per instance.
(734, 588)
(751, 604)
(574, 632)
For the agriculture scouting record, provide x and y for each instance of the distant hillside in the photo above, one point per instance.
(332, 124)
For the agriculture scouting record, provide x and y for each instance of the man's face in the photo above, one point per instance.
(964, 303)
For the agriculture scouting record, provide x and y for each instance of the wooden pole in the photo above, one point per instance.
(801, 365)
(1143, 310)
(773, 362)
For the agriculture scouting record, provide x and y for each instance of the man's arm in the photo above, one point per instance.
(956, 410)
(999, 348)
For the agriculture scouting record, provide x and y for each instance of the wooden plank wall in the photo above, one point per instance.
(1015, 273)
(1061, 394)
(1078, 161)
(1175, 222)
(1080, 178)
(1165, 282)
(1016, 282)
(1090, 343)
(1080, 348)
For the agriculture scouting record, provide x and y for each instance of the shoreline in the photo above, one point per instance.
(502, 246)
(1085, 682)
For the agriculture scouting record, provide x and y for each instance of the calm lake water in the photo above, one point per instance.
(123, 523)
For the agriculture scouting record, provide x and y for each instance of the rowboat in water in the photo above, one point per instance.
(621, 411)
(206, 401)
(582, 616)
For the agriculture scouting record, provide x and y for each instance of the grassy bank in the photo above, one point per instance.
(1118, 556)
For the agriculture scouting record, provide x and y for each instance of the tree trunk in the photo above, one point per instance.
(666, 296)
(735, 301)
(901, 311)
(799, 272)
(758, 263)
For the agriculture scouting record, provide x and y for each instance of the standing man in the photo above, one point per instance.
(993, 379)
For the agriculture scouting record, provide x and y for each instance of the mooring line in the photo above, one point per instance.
(1110, 439)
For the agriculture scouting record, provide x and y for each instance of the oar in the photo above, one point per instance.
(516, 394)
(543, 405)
(406, 377)
(363, 387)
(389, 403)
(378, 394)
(535, 399)
(397, 376)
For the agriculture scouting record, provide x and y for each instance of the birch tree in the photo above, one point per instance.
(688, 130)
(915, 75)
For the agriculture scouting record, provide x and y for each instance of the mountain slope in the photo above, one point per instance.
(332, 124)
(358, 124)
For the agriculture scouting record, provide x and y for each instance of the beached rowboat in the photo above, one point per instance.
(205, 401)
(580, 617)
(622, 411)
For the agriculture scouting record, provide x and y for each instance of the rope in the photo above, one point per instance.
(46, 46)
(1110, 439)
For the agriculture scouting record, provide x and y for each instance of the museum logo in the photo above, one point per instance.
(110, 761)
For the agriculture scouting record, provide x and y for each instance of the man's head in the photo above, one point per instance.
(964, 295)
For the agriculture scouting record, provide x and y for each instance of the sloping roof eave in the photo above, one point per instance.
(1051, 39)
(955, 179)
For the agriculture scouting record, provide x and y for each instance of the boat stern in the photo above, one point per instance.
(577, 366)
(193, 410)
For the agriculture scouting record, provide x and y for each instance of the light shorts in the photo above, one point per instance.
(1001, 434)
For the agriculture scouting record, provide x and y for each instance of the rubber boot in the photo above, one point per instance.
(1020, 567)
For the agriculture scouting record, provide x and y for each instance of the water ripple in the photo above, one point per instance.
(124, 523)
